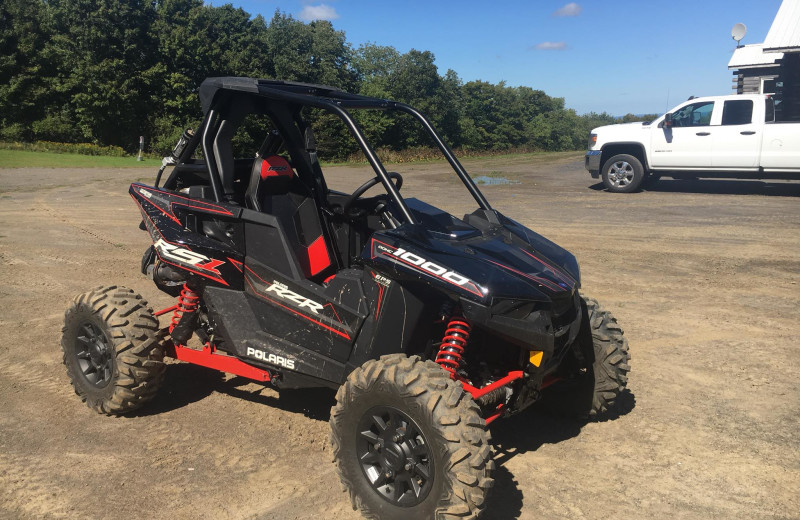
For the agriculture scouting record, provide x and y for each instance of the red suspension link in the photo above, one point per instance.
(451, 351)
(187, 302)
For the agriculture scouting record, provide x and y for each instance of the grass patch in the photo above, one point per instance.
(31, 159)
(28, 159)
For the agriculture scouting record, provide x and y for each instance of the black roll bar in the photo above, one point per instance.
(370, 154)
(336, 104)
(208, 153)
(459, 169)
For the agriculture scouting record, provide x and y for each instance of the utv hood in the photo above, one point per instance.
(481, 262)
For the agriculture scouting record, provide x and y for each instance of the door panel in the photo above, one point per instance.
(737, 141)
(688, 143)
(781, 148)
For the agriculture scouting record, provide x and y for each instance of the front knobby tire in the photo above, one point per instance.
(611, 359)
(111, 351)
(593, 390)
(409, 443)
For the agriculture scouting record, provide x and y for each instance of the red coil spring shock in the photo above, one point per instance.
(187, 302)
(450, 356)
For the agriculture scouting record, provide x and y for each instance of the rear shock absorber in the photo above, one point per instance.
(451, 351)
(184, 312)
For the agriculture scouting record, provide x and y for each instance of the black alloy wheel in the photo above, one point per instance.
(395, 456)
(94, 355)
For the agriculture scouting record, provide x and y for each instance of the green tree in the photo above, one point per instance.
(23, 97)
(104, 69)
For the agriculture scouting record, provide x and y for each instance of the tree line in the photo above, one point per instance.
(108, 71)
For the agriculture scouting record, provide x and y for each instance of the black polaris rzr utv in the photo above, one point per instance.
(430, 326)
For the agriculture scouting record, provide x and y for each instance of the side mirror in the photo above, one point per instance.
(668, 120)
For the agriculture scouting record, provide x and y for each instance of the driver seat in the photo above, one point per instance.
(275, 189)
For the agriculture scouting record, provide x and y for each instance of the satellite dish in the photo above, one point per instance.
(738, 31)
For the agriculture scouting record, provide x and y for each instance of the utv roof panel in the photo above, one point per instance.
(304, 93)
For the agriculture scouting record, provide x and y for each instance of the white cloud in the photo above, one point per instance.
(571, 9)
(550, 46)
(318, 12)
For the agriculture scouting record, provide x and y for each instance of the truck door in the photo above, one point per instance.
(687, 144)
(737, 140)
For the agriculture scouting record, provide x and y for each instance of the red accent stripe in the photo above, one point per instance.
(318, 258)
(378, 241)
(416, 267)
(219, 209)
(380, 296)
(204, 205)
(334, 312)
(555, 271)
(159, 208)
(237, 264)
(541, 281)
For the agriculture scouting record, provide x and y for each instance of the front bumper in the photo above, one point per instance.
(592, 162)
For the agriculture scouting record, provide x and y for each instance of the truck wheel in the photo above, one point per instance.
(409, 443)
(113, 357)
(593, 391)
(622, 173)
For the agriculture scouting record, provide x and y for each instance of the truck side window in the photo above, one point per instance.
(737, 112)
(769, 110)
(696, 114)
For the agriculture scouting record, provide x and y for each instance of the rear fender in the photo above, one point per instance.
(174, 223)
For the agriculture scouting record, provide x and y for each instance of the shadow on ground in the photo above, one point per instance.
(314, 403)
(720, 187)
(183, 384)
(525, 433)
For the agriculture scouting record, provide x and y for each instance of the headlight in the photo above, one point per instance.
(592, 140)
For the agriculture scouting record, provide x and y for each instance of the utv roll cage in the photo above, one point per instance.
(225, 100)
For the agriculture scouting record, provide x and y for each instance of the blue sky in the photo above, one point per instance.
(617, 56)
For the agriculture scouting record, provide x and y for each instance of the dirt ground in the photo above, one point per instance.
(703, 276)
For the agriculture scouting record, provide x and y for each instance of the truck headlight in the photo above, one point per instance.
(592, 140)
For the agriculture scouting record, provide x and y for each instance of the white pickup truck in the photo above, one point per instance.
(722, 136)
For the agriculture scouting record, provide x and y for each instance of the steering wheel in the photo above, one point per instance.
(367, 185)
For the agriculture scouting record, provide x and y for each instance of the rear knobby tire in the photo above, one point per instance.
(443, 440)
(600, 371)
(113, 357)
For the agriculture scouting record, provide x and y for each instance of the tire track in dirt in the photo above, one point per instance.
(41, 205)
(31, 376)
(27, 490)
